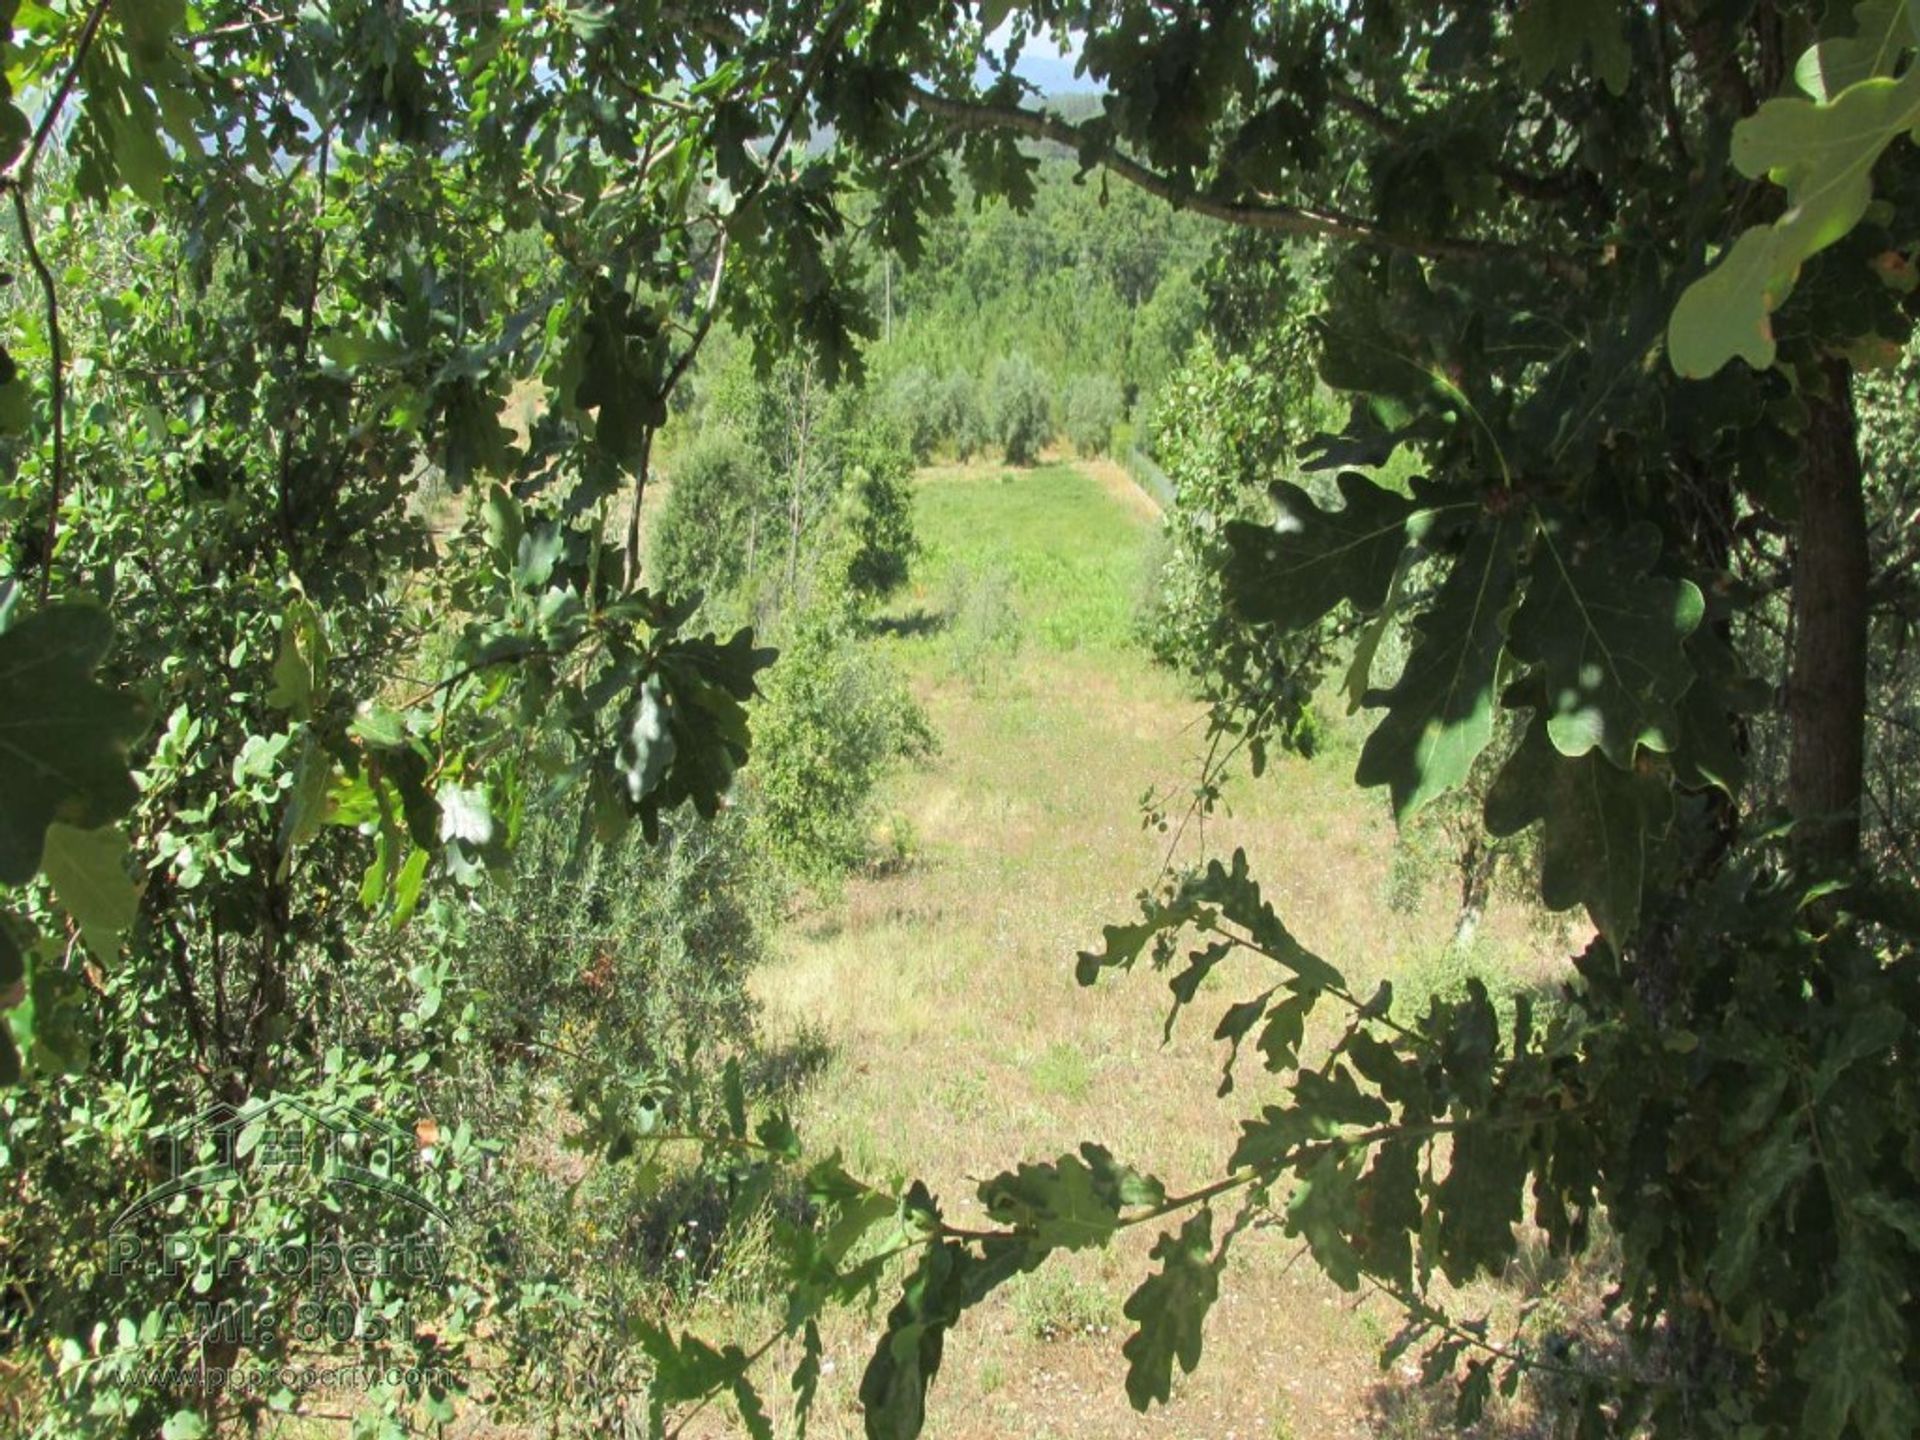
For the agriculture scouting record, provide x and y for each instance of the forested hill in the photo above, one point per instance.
(1093, 279)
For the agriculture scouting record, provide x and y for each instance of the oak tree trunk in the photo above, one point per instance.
(1827, 683)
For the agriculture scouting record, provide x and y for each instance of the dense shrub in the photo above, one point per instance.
(982, 620)
(962, 423)
(877, 509)
(1090, 406)
(915, 404)
(1226, 427)
(834, 719)
(1018, 418)
(706, 528)
(637, 951)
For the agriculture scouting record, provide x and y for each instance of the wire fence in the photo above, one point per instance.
(1149, 476)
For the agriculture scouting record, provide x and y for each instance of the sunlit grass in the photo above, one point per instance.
(1075, 558)
(962, 1043)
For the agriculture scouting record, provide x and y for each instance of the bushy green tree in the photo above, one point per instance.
(709, 529)
(1230, 424)
(1162, 332)
(831, 726)
(912, 401)
(877, 508)
(825, 475)
(1090, 406)
(1019, 413)
(1087, 279)
(963, 422)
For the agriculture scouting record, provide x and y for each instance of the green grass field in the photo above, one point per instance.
(959, 1041)
(1075, 558)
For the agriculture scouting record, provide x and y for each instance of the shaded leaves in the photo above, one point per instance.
(1170, 1308)
(1440, 711)
(63, 735)
(1294, 571)
(1071, 1204)
(1600, 825)
(1609, 638)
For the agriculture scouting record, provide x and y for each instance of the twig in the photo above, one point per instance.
(57, 376)
(19, 180)
(22, 175)
(1265, 213)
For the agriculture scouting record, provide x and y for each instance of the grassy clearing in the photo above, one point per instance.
(960, 1042)
(1074, 559)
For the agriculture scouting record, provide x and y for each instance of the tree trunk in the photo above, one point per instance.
(633, 516)
(1827, 685)
(795, 508)
(1476, 884)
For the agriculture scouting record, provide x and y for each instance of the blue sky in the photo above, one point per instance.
(1044, 64)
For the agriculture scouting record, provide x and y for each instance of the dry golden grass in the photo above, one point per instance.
(961, 1043)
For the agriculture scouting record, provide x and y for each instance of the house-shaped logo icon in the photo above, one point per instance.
(341, 1146)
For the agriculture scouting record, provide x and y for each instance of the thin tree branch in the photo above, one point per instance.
(19, 180)
(704, 325)
(57, 376)
(1266, 213)
(22, 175)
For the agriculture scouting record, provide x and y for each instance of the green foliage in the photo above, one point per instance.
(1590, 617)
(1019, 414)
(707, 528)
(639, 954)
(963, 422)
(1440, 711)
(800, 487)
(1610, 640)
(1227, 423)
(1822, 151)
(914, 401)
(1090, 406)
(64, 735)
(1294, 571)
(983, 620)
(1170, 1308)
(1553, 34)
(277, 277)
(254, 393)
(879, 502)
(1088, 280)
(1888, 448)
(834, 721)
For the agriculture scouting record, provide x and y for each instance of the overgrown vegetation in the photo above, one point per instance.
(342, 349)
(834, 720)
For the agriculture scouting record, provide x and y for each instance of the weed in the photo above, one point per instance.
(1064, 1070)
(1054, 1303)
(983, 623)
